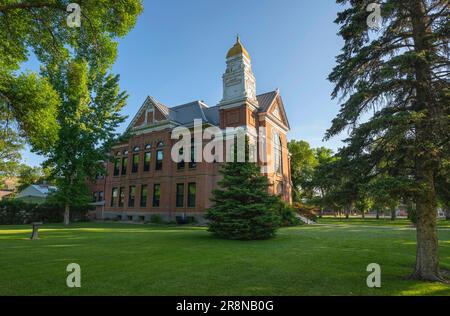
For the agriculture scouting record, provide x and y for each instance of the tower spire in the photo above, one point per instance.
(239, 82)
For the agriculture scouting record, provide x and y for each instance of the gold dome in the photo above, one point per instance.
(238, 49)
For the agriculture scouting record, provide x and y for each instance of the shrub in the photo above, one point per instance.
(156, 219)
(310, 212)
(412, 215)
(288, 215)
(16, 212)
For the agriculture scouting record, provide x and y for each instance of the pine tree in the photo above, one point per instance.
(243, 208)
(400, 74)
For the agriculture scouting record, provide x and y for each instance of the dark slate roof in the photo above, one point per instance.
(266, 99)
(185, 114)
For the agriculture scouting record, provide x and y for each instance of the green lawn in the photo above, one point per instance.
(120, 259)
(374, 222)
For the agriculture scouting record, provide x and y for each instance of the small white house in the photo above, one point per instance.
(36, 193)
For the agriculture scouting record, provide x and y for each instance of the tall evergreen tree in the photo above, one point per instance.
(401, 73)
(243, 208)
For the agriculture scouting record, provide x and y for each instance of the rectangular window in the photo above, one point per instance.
(116, 167)
(156, 195)
(114, 197)
(121, 197)
(124, 165)
(147, 159)
(159, 159)
(192, 191)
(132, 196)
(135, 166)
(144, 195)
(181, 164)
(94, 197)
(192, 163)
(101, 196)
(180, 195)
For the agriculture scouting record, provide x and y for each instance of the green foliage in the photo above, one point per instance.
(29, 103)
(243, 209)
(412, 215)
(88, 117)
(156, 219)
(307, 211)
(288, 215)
(10, 146)
(303, 162)
(31, 175)
(15, 212)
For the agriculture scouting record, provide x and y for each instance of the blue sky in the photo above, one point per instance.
(176, 53)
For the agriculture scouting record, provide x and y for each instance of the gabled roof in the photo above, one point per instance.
(37, 190)
(185, 114)
(265, 100)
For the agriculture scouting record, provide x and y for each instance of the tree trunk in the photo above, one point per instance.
(67, 215)
(393, 214)
(363, 214)
(378, 214)
(427, 260)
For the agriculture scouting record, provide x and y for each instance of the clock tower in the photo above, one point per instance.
(239, 84)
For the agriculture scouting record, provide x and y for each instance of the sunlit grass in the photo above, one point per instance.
(400, 222)
(120, 259)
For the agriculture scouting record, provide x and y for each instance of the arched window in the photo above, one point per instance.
(148, 146)
(160, 144)
(136, 149)
(277, 149)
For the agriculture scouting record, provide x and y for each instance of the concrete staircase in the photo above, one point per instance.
(305, 220)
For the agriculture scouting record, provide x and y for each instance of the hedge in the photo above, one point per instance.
(16, 212)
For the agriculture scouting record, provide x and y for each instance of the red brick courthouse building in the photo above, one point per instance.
(143, 179)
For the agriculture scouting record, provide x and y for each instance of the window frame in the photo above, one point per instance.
(121, 197)
(159, 162)
(132, 197)
(156, 202)
(190, 203)
(179, 195)
(124, 165)
(114, 196)
(135, 166)
(147, 164)
(144, 188)
(116, 167)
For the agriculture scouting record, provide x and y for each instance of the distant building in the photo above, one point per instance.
(36, 193)
(5, 193)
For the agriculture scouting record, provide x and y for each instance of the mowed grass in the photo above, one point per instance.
(121, 259)
(441, 223)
